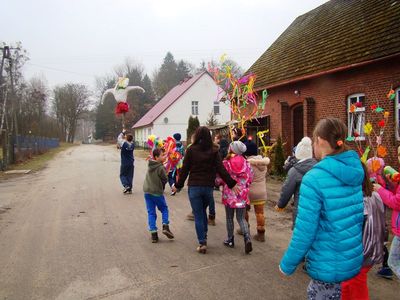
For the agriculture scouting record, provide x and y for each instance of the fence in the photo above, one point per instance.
(28, 146)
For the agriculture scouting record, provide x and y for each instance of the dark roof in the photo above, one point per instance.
(336, 34)
(166, 101)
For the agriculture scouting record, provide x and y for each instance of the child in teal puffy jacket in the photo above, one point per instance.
(328, 229)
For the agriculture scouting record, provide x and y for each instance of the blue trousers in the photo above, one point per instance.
(172, 177)
(152, 202)
(126, 175)
(200, 197)
(211, 208)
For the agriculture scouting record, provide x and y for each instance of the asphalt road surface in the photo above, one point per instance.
(68, 232)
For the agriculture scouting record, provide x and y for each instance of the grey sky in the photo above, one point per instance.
(75, 40)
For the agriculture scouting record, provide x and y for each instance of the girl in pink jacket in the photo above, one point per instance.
(392, 200)
(239, 169)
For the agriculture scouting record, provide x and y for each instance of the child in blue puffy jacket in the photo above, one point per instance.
(328, 229)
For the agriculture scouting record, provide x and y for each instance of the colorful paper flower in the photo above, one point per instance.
(386, 114)
(356, 134)
(379, 110)
(368, 128)
(352, 108)
(391, 95)
(381, 123)
(382, 151)
(374, 107)
(359, 104)
(376, 165)
(350, 138)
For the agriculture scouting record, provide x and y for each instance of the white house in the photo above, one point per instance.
(196, 96)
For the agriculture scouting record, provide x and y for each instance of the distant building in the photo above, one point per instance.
(336, 55)
(196, 96)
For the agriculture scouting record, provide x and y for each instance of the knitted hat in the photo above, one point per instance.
(237, 147)
(304, 149)
(177, 136)
(251, 149)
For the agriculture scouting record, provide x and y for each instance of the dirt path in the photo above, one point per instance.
(68, 232)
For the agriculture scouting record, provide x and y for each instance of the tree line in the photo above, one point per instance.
(29, 107)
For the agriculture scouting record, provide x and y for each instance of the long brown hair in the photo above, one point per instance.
(367, 184)
(334, 131)
(202, 137)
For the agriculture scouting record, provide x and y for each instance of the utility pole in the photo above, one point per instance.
(6, 51)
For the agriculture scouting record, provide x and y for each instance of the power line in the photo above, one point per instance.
(60, 70)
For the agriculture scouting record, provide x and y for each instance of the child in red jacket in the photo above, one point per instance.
(239, 169)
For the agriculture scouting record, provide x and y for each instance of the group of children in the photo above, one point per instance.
(339, 216)
(352, 229)
(244, 165)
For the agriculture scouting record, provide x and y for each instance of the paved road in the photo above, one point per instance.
(68, 232)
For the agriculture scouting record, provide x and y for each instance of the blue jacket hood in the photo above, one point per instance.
(345, 166)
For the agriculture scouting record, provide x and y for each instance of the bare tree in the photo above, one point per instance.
(34, 99)
(70, 101)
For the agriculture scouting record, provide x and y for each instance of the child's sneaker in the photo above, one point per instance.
(167, 232)
(385, 272)
(230, 242)
(154, 237)
(248, 247)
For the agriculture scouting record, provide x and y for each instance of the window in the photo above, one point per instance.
(397, 113)
(216, 108)
(195, 108)
(356, 116)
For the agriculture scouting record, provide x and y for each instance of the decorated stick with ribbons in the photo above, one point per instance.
(244, 102)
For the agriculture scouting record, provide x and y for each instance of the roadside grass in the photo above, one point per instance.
(38, 162)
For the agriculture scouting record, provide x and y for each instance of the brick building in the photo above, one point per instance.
(342, 52)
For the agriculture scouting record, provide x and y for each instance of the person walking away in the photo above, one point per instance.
(126, 146)
(201, 164)
(328, 227)
(290, 161)
(223, 145)
(291, 187)
(392, 200)
(373, 240)
(153, 188)
(258, 188)
(239, 169)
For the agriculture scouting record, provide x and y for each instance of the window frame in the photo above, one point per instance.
(359, 110)
(397, 113)
(195, 108)
(216, 104)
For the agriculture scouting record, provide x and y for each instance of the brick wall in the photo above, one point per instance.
(327, 96)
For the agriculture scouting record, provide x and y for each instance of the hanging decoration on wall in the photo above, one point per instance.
(373, 133)
(120, 93)
(244, 102)
(391, 95)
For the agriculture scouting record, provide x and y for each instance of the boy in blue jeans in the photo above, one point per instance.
(153, 188)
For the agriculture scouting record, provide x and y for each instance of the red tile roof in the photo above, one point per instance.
(336, 34)
(165, 102)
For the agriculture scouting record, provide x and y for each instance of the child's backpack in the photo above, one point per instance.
(374, 229)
